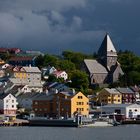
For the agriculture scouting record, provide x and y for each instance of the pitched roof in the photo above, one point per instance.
(107, 47)
(58, 72)
(44, 96)
(112, 91)
(29, 95)
(125, 90)
(32, 69)
(2, 96)
(21, 58)
(94, 67)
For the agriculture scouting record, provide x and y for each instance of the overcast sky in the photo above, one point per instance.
(53, 26)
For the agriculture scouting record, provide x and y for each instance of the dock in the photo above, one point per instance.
(17, 122)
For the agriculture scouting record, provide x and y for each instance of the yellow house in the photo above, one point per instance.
(80, 104)
(110, 96)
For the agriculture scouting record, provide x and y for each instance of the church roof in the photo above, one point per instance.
(107, 48)
(94, 66)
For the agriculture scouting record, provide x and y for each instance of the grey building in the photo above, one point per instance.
(105, 69)
(129, 110)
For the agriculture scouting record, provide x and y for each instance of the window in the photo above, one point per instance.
(118, 100)
(80, 97)
(12, 101)
(118, 95)
(36, 109)
(7, 101)
(36, 103)
(135, 110)
(12, 106)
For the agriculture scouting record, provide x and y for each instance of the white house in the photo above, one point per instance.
(8, 104)
(129, 110)
(60, 74)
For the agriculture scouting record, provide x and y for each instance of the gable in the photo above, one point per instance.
(79, 95)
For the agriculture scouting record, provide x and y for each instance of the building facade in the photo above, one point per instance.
(110, 96)
(22, 61)
(128, 96)
(8, 104)
(61, 105)
(27, 75)
(131, 111)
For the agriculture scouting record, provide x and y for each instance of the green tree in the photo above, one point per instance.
(75, 57)
(130, 64)
(52, 78)
(79, 80)
(39, 61)
(67, 65)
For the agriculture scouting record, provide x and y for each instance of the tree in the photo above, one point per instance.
(52, 78)
(67, 65)
(50, 60)
(79, 80)
(75, 57)
(39, 61)
(130, 64)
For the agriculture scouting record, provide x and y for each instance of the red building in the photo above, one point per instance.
(128, 96)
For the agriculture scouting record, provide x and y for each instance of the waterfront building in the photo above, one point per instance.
(8, 104)
(136, 89)
(128, 95)
(62, 104)
(110, 96)
(105, 69)
(25, 100)
(129, 110)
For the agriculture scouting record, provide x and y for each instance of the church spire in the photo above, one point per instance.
(107, 47)
(107, 54)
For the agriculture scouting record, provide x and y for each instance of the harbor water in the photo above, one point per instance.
(122, 132)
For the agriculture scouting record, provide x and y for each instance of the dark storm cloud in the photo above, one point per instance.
(80, 25)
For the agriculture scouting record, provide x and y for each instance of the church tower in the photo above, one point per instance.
(107, 54)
